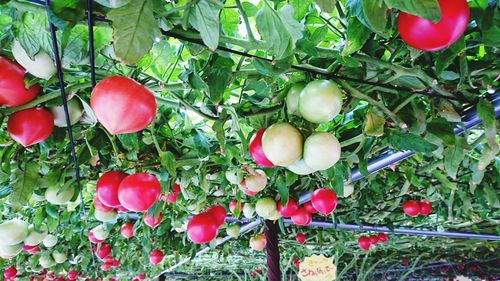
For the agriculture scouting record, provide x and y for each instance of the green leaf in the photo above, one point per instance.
(113, 3)
(204, 17)
(167, 160)
(64, 13)
(31, 32)
(301, 7)
(442, 129)
(375, 12)
(446, 57)
(279, 30)
(218, 77)
(326, 5)
(229, 21)
(444, 180)
(5, 191)
(134, 29)
(453, 156)
(486, 112)
(374, 125)
(427, 9)
(23, 188)
(412, 142)
(282, 190)
(357, 35)
(490, 26)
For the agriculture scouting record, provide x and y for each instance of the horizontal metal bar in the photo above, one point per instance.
(399, 230)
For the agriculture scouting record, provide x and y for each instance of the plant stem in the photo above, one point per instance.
(251, 38)
(34, 102)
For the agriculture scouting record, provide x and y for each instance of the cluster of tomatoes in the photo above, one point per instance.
(413, 208)
(365, 242)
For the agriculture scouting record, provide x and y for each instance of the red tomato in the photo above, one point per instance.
(172, 197)
(290, 208)
(127, 230)
(202, 228)
(92, 238)
(176, 188)
(103, 251)
(301, 238)
(72, 274)
(115, 263)
(309, 207)
(107, 188)
(12, 90)
(10, 272)
(425, 35)
(98, 205)
(324, 201)
(364, 243)
(122, 105)
(219, 214)
(425, 207)
(411, 208)
(30, 126)
(382, 237)
(141, 276)
(249, 192)
(106, 266)
(373, 239)
(301, 217)
(122, 209)
(138, 192)
(232, 206)
(152, 221)
(296, 263)
(256, 152)
(156, 257)
(405, 262)
(32, 250)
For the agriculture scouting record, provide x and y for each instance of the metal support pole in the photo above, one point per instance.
(273, 252)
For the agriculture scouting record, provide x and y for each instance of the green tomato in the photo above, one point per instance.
(49, 241)
(233, 230)
(300, 167)
(42, 66)
(75, 113)
(348, 190)
(292, 99)
(233, 176)
(321, 151)
(282, 144)
(13, 232)
(105, 216)
(320, 101)
(34, 237)
(59, 257)
(266, 207)
(100, 232)
(256, 183)
(10, 251)
(46, 261)
(56, 197)
(248, 210)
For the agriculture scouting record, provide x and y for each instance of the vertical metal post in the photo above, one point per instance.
(90, 23)
(272, 250)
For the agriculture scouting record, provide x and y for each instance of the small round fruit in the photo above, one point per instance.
(425, 207)
(296, 263)
(282, 144)
(10, 251)
(152, 221)
(100, 232)
(258, 242)
(256, 151)
(233, 204)
(59, 257)
(364, 243)
(202, 228)
(92, 238)
(233, 230)
(382, 237)
(127, 230)
(12, 90)
(292, 99)
(10, 273)
(13, 232)
(46, 261)
(138, 192)
(233, 176)
(30, 126)
(156, 257)
(42, 66)
(373, 239)
(320, 101)
(300, 167)
(348, 190)
(75, 113)
(34, 237)
(256, 182)
(107, 188)
(266, 207)
(301, 217)
(301, 238)
(49, 241)
(219, 214)
(55, 196)
(321, 151)
(426, 35)
(103, 251)
(310, 208)
(248, 211)
(105, 216)
(72, 274)
(411, 208)
(324, 200)
(288, 210)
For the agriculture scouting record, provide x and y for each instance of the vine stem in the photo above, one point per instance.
(251, 37)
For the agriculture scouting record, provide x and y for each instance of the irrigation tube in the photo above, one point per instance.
(399, 230)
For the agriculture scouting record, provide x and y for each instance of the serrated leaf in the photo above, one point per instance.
(326, 5)
(375, 12)
(447, 56)
(64, 13)
(204, 17)
(427, 9)
(282, 190)
(167, 160)
(442, 129)
(411, 142)
(453, 156)
(32, 33)
(23, 188)
(357, 35)
(374, 125)
(134, 29)
(301, 7)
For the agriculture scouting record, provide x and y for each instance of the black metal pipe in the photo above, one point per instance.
(90, 24)
(272, 251)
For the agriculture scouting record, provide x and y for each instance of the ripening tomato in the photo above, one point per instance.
(290, 208)
(10, 273)
(301, 217)
(156, 257)
(93, 239)
(141, 276)
(256, 151)
(426, 35)
(411, 208)
(107, 188)
(364, 243)
(12, 90)
(296, 263)
(425, 207)
(233, 204)
(373, 239)
(103, 251)
(122, 105)
(301, 238)
(309, 207)
(30, 126)
(324, 200)
(258, 242)
(127, 230)
(138, 192)
(106, 266)
(152, 221)
(382, 237)
(219, 213)
(202, 228)
(98, 205)
(72, 274)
